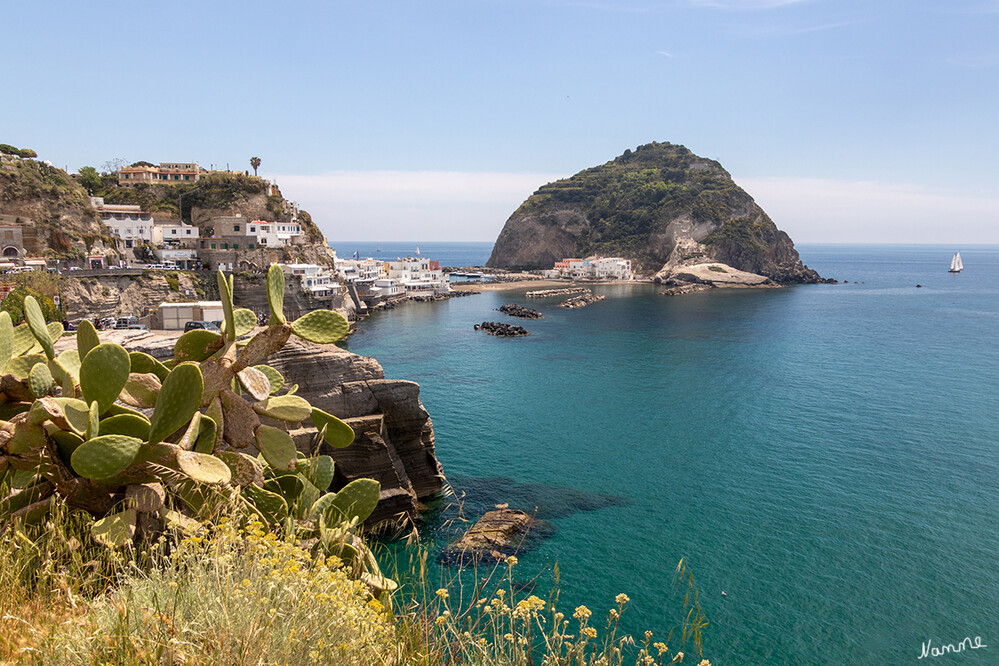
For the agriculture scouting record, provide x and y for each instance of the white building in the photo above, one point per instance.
(386, 288)
(175, 233)
(597, 268)
(183, 258)
(128, 222)
(614, 268)
(418, 276)
(314, 279)
(360, 269)
(275, 234)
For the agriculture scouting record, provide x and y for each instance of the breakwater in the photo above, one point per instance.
(567, 291)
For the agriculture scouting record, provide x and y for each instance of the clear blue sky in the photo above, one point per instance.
(847, 120)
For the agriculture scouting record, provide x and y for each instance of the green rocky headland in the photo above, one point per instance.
(661, 206)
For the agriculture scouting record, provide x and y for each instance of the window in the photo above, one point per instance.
(235, 246)
(253, 230)
(225, 246)
(188, 232)
(251, 246)
(213, 246)
(235, 227)
(187, 178)
(173, 231)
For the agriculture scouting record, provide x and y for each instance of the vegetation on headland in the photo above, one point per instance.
(638, 194)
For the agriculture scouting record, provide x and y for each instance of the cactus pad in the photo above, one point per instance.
(141, 390)
(70, 360)
(207, 435)
(40, 380)
(103, 374)
(144, 363)
(318, 470)
(116, 530)
(145, 497)
(255, 383)
(36, 322)
(225, 294)
(20, 366)
(335, 432)
(179, 398)
(244, 320)
(271, 505)
(93, 422)
(6, 339)
(105, 456)
(322, 326)
(273, 376)
(23, 339)
(197, 345)
(289, 408)
(86, 338)
(277, 447)
(203, 468)
(126, 424)
(357, 499)
(245, 469)
(28, 440)
(275, 294)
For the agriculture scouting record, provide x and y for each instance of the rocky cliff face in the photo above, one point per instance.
(394, 436)
(661, 206)
(125, 295)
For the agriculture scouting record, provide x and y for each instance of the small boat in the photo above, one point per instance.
(417, 249)
(379, 248)
(956, 265)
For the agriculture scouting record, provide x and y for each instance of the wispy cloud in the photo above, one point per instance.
(426, 205)
(836, 211)
(665, 53)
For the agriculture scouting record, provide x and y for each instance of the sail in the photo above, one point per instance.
(956, 265)
(960, 264)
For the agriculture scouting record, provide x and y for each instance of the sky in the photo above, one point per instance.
(849, 121)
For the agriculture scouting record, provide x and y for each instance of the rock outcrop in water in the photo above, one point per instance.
(661, 206)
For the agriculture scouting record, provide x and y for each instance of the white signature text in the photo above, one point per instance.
(968, 643)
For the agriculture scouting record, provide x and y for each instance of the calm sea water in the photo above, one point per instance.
(827, 455)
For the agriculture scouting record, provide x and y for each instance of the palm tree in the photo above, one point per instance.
(254, 162)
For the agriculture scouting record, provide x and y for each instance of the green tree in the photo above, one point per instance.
(91, 180)
(14, 304)
(254, 162)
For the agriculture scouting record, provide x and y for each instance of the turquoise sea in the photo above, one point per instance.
(826, 455)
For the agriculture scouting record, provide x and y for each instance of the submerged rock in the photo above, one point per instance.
(495, 536)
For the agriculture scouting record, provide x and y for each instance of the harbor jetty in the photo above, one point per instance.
(582, 301)
(567, 291)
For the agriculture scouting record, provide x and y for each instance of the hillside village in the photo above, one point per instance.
(178, 218)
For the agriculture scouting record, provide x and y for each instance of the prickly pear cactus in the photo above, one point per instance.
(129, 438)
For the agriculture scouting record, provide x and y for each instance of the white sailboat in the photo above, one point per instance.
(956, 265)
(417, 249)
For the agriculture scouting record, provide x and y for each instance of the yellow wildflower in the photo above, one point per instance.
(512, 560)
(589, 632)
(582, 613)
(442, 593)
(622, 599)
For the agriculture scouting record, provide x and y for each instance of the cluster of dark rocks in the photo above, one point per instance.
(520, 311)
(500, 329)
(582, 301)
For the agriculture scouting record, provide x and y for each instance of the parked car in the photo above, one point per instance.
(207, 325)
(138, 327)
